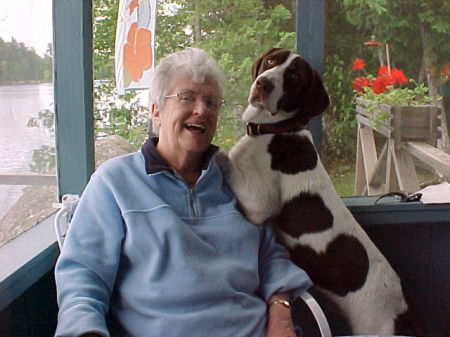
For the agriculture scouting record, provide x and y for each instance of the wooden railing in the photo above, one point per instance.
(27, 179)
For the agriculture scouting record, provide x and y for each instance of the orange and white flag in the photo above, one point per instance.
(135, 44)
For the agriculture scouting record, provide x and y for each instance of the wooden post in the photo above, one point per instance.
(72, 40)
(360, 178)
(311, 45)
(411, 130)
(391, 176)
(405, 170)
(376, 177)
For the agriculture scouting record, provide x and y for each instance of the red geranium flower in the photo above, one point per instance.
(399, 76)
(383, 70)
(358, 64)
(360, 82)
(386, 79)
(381, 83)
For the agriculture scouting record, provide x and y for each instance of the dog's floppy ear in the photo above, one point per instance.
(317, 98)
(258, 62)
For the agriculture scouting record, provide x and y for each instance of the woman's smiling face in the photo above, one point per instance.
(187, 127)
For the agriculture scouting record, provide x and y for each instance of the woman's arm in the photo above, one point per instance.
(279, 319)
(277, 272)
(86, 269)
(281, 281)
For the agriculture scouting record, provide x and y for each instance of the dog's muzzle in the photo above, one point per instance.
(264, 86)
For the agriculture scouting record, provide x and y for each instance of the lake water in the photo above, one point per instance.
(18, 103)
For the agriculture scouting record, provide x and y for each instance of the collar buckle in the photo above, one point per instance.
(251, 131)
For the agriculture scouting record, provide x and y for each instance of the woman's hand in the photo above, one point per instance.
(279, 320)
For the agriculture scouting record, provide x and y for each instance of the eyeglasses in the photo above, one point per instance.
(189, 98)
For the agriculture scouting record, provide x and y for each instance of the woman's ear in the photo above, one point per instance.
(154, 110)
(155, 115)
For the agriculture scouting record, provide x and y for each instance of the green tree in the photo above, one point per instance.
(104, 34)
(419, 27)
(234, 32)
(342, 44)
(405, 25)
(19, 64)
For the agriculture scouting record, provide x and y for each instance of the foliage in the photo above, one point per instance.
(386, 88)
(44, 158)
(125, 117)
(220, 27)
(404, 25)
(411, 28)
(20, 64)
(217, 27)
(415, 95)
(339, 124)
(45, 119)
(104, 35)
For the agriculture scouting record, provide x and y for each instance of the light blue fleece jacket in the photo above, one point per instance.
(166, 260)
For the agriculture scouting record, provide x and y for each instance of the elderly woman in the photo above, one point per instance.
(157, 246)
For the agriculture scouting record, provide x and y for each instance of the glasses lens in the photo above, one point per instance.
(211, 102)
(188, 98)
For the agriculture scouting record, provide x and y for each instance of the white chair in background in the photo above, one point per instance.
(62, 222)
(64, 216)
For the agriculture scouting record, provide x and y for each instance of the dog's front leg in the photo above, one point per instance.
(252, 181)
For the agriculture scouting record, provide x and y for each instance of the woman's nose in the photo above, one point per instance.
(200, 106)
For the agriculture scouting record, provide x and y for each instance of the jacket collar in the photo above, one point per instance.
(154, 163)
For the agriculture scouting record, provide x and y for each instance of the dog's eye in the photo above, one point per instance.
(270, 61)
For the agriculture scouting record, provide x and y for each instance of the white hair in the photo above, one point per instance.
(190, 62)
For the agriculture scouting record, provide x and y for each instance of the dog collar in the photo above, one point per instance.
(276, 129)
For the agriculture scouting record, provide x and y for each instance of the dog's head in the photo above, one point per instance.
(286, 86)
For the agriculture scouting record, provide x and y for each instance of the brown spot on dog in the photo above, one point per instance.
(304, 94)
(303, 91)
(297, 79)
(305, 213)
(272, 58)
(341, 269)
(292, 154)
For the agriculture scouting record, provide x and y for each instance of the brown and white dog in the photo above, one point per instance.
(276, 174)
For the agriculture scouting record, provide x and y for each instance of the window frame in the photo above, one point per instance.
(29, 256)
(73, 88)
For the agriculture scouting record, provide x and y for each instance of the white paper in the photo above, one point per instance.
(436, 194)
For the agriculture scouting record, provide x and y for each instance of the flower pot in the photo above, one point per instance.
(418, 123)
(444, 89)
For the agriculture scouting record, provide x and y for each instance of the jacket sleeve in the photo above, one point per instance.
(276, 271)
(86, 269)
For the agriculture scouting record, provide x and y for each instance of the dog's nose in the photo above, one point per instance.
(265, 85)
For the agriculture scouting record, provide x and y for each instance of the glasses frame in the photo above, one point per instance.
(197, 96)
